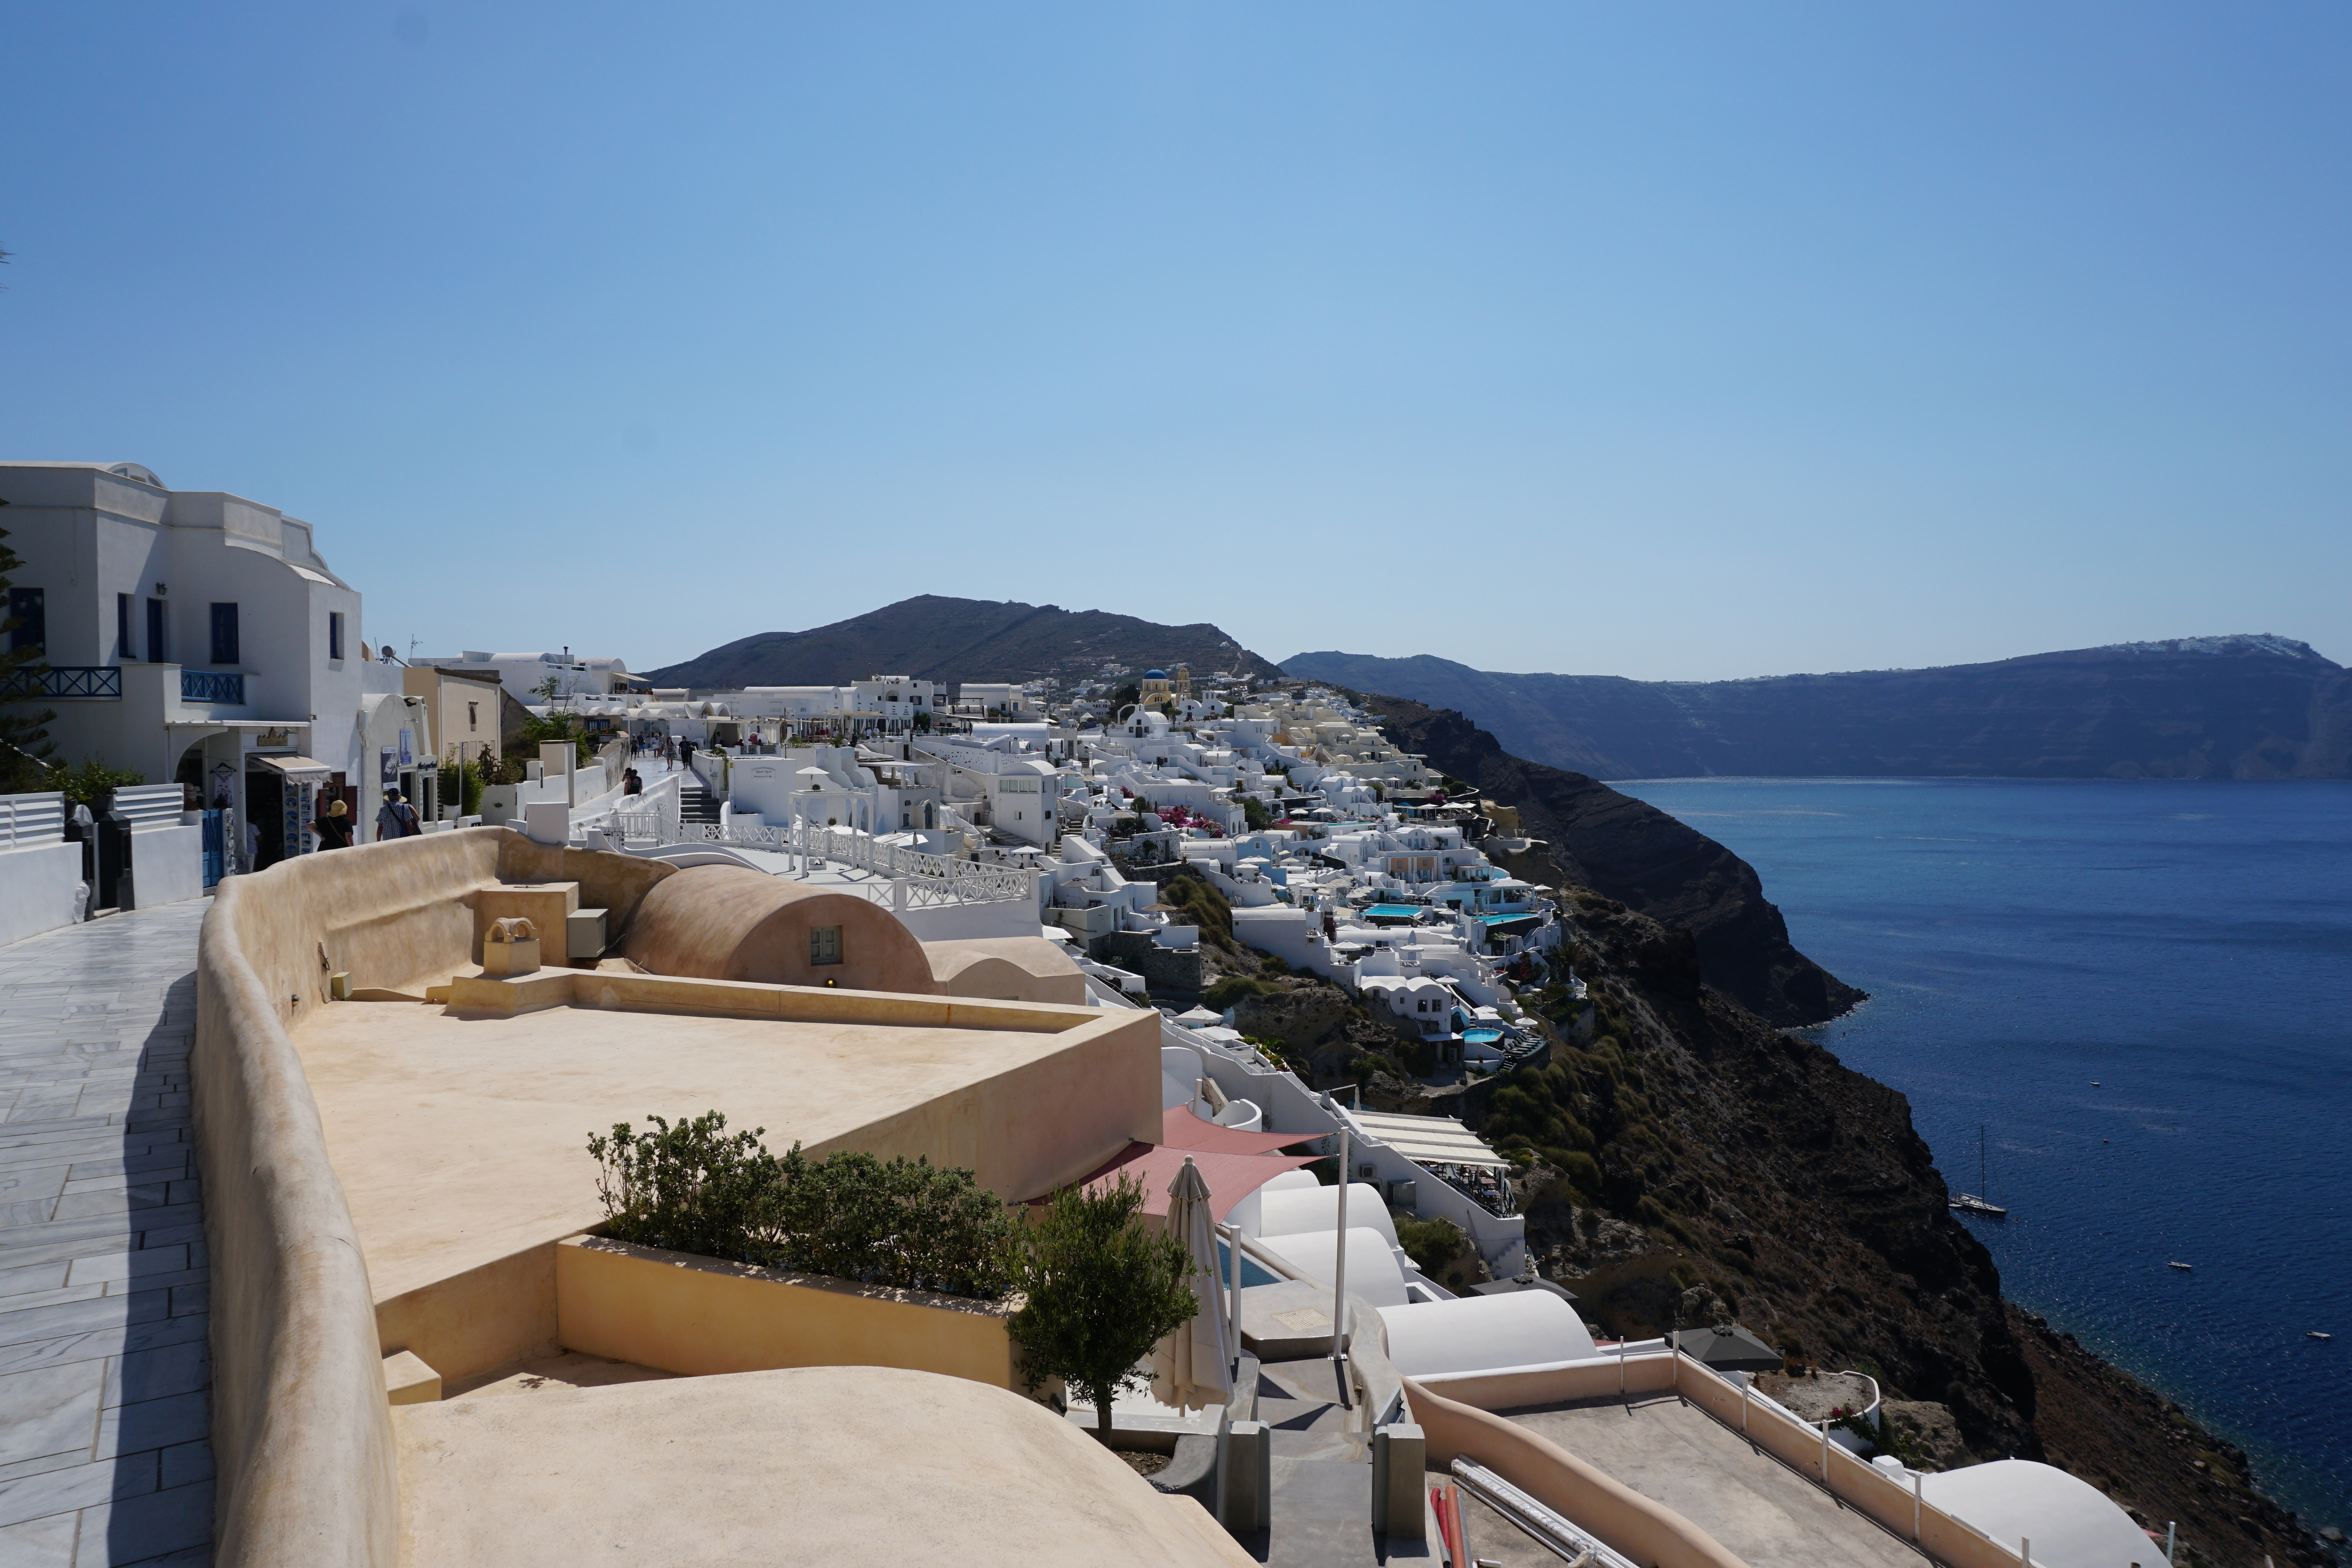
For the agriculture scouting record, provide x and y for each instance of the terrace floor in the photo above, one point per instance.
(462, 1139)
(1664, 1448)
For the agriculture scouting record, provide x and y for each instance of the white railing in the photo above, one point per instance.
(923, 880)
(142, 804)
(36, 819)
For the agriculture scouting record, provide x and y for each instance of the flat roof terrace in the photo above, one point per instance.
(459, 1133)
(1666, 1449)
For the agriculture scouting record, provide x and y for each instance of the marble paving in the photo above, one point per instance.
(105, 1420)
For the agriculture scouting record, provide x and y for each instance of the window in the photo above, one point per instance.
(334, 633)
(159, 647)
(28, 619)
(124, 648)
(224, 635)
(824, 944)
(473, 717)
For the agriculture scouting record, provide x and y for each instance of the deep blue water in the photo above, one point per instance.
(2143, 991)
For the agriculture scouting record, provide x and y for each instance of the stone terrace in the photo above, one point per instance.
(104, 1415)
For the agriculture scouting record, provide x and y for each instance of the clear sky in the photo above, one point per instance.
(1657, 340)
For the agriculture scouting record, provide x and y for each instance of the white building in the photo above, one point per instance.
(899, 699)
(194, 636)
(979, 699)
(526, 675)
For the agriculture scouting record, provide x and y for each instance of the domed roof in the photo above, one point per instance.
(1155, 675)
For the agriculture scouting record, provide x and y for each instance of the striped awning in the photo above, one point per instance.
(1428, 1140)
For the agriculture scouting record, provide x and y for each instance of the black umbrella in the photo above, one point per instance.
(1728, 1350)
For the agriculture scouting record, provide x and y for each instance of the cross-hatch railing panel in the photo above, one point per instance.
(64, 681)
(211, 687)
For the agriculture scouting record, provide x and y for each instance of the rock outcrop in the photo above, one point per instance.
(1635, 854)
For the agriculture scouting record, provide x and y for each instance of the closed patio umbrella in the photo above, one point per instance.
(1188, 1368)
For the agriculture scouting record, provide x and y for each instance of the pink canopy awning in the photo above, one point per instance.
(1230, 1176)
(1179, 1127)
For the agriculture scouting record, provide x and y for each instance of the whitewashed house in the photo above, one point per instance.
(193, 637)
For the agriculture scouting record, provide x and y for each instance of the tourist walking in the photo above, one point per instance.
(334, 826)
(396, 818)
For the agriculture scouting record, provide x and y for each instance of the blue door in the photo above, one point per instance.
(215, 849)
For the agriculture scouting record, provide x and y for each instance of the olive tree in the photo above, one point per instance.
(1103, 1289)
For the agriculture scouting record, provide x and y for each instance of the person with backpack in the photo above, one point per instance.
(396, 818)
(334, 826)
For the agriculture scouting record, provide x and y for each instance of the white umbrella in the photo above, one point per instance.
(1188, 1367)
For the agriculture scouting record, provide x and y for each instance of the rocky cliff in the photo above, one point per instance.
(1689, 1164)
(2193, 707)
(1638, 856)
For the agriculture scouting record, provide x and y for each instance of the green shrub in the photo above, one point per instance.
(464, 776)
(1580, 1168)
(692, 1187)
(1431, 1244)
(90, 781)
(1371, 1061)
(1232, 989)
(689, 1187)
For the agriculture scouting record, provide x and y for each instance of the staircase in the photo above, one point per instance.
(695, 802)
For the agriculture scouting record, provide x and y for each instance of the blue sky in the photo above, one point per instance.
(1664, 341)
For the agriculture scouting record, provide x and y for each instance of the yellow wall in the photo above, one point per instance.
(699, 1316)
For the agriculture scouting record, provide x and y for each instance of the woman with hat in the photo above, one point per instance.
(334, 826)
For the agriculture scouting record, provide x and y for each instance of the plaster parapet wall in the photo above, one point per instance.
(1639, 1527)
(167, 863)
(701, 1316)
(37, 883)
(1889, 1499)
(302, 1440)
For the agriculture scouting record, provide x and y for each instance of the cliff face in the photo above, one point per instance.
(1691, 1164)
(1759, 1178)
(2211, 708)
(932, 637)
(1637, 854)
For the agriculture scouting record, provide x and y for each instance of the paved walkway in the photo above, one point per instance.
(105, 1420)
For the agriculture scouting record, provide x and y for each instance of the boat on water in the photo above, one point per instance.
(2314, 1334)
(1968, 1202)
(2184, 1268)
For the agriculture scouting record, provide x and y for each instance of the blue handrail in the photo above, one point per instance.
(211, 687)
(64, 681)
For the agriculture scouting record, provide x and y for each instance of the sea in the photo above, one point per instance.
(2137, 997)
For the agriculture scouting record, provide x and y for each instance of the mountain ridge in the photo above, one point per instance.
(937, 637)
(2247, 705)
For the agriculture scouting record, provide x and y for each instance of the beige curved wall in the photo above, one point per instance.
(728, 923)
(1006, 969)
(301, 1435)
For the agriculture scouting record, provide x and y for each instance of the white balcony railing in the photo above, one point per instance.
(923, 880)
